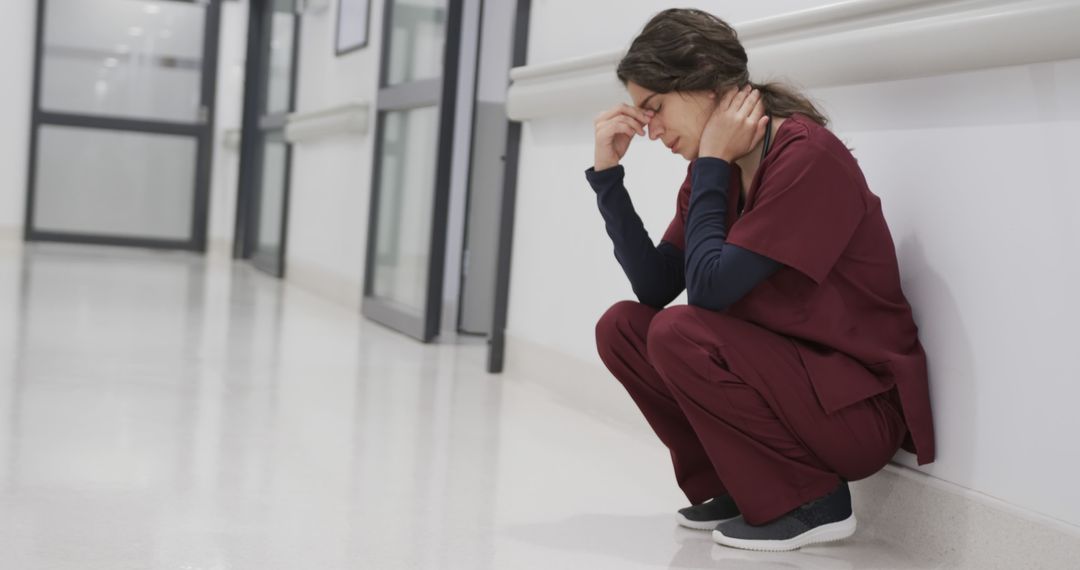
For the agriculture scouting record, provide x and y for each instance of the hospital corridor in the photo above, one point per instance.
(539, 285)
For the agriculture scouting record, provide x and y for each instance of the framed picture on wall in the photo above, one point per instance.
(352, 25)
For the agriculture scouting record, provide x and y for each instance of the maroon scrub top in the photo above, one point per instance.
(838, 296)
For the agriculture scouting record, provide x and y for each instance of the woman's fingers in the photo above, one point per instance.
(609, 114)
(757, 111)
(636, 112)
(736, 126)
(634, 124)
(750, 102)
(739, 98)
(619, 125)
(623, 109)
(638, 126)
(746, 99)
(762, 124)
(622, 129)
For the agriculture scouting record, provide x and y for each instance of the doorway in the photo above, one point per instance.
(122, 122)
(403, 277)
(266, 156)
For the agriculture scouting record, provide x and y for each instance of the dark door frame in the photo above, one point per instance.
(257, 127)
(497, 341)
(412, 95)
(243, 236)
(202, 131)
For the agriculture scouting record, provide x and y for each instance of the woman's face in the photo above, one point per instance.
(679, 116)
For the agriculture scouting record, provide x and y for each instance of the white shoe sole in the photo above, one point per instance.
(825, 533)
(700, 525)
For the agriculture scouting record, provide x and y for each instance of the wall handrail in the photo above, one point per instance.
(890, 40)
(349, 118)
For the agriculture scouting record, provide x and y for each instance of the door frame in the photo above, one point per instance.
(412, 95)
(202, 131)
(497, 341)
(256, 128)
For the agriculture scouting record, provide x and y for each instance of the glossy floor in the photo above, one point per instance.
(160, 411)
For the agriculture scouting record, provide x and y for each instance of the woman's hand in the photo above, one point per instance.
(615, 128)
(736, 126)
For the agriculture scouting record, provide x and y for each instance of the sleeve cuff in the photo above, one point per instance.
(714, 172)
(604, 178)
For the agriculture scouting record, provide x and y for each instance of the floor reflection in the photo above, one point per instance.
(164, 411)
(167, 411)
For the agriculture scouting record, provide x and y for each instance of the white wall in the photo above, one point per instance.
(976, 174)
(17, 60)
(331, 177)
(229, 105)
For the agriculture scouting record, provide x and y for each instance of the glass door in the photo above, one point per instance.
(122, 122)
(272, 154)
(410, 186)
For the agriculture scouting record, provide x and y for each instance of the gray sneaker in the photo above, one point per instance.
(822, 520)
(708, 514)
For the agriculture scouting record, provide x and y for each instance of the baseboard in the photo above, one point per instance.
(327, 284)
(578, 383)
(11, 235)
(215, 247)
(219, 247)
(948, 525)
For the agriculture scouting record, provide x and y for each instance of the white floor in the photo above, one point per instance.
(158, 411)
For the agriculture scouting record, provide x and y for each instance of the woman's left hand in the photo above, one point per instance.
(736, 126)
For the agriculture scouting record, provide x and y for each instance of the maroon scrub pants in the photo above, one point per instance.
(735, 406)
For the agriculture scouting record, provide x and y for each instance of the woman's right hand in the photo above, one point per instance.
(615, 128)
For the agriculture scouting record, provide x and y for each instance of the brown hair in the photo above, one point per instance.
(692, 50)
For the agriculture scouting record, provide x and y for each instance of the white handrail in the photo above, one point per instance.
(857, 41)
(351, 118)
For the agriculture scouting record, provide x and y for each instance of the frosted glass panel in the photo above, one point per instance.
(124, 58)
(272, 196)
(406, 199)
(281, 51)
(114, 183)
(418, 36)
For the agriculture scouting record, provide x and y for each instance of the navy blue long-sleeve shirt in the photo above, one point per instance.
(714, 274)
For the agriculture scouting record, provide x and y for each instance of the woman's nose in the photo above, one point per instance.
(655, 131)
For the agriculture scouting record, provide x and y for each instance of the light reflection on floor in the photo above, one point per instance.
(161, 411)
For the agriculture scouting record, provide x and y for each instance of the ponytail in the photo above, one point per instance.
(783, 101)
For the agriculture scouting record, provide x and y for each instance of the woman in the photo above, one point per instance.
(796, 367)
